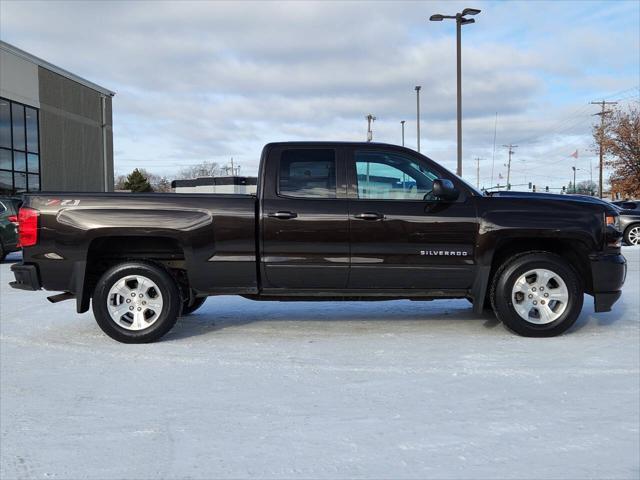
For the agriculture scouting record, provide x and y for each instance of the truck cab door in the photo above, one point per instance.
(303, 219)
(402, 237)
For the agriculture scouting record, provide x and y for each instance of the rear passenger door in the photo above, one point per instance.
(304, 221)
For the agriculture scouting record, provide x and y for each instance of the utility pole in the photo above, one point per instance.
(402, 122)
(478, 172)
(602, 113)
(370, 119)
(417, 89)
(574, 178)
(511, 152)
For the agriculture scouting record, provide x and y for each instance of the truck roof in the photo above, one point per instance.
(327, 143)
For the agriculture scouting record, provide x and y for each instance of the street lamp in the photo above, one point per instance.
(574, 178)
(460, 20)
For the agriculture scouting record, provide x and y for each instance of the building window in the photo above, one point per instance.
(19, 148)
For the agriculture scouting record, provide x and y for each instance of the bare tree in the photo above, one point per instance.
(119, 182)
(587, 187)
(204, 169)
(621, 143)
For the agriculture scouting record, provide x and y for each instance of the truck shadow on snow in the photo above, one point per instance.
(428, 317)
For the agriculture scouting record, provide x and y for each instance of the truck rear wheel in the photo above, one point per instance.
(136, 302)
(537, 294)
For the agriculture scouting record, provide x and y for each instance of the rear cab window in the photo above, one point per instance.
(307, 173)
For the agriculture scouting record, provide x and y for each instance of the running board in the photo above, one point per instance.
(61, 297)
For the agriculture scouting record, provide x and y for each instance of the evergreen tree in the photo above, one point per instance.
(137, 182)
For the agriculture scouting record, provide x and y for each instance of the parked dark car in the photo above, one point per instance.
(358, 221)
(630, 220)
(8, 226)
(627, 204)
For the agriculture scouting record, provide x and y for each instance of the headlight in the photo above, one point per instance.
(612, 221)
(613, 233)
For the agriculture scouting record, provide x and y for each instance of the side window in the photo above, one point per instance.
(389, 176)
(308, 173)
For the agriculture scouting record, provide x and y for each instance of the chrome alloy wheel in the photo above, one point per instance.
(134, 302)
(634, 235)
(540, 296)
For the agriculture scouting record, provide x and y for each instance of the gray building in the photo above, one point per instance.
(55, 128)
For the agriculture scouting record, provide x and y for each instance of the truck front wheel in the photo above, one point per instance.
(136, 302)
(537, 294)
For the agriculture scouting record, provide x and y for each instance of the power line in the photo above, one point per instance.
(511, 152)
(493, 156)
(478, 172)
(603, 104)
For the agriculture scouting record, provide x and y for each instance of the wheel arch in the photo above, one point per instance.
(105, 251)
(575, 251)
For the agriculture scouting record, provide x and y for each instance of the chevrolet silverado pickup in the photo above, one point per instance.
(329, 221)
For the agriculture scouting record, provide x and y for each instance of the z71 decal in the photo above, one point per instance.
(54, 202)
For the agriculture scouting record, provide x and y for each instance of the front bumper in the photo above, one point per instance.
(608, 272)
(27, 277)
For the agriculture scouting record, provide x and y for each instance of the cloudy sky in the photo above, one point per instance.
(211, 80)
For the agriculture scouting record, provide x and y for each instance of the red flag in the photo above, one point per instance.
(574, 154)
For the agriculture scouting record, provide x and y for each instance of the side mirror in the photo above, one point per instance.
(444, 189)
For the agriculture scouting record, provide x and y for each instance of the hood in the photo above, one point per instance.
(552, 196)
(561, 199)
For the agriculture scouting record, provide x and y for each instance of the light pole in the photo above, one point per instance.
(574, 178)
(460, 20)
(417, 89)
(402, 122)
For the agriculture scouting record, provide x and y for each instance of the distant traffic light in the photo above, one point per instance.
(546, 189)
(564, 189)
(508, 186)
(534, 188)
(529, 185)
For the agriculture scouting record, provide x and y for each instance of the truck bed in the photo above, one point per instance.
(211, 236)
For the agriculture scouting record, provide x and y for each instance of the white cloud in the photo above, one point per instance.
(210, 80)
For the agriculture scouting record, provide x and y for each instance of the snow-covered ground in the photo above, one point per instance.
(249, 389)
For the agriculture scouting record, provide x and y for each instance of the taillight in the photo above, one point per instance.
(13, 219)
(27, 227)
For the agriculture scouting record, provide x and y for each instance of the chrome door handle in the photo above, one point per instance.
(283, 215)
(369, 216)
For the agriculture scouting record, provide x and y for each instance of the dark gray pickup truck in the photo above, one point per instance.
(330, 221)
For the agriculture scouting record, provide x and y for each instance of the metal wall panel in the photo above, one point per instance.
(71, 136)
(18, 79)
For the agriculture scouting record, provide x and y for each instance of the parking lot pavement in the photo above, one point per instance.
(249, 389)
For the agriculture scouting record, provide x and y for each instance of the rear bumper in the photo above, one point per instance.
(608, 272)
(27, 277)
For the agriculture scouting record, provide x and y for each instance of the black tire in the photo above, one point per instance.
(507, 275)
(188, 309)
(627, 234)
(171, 302)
